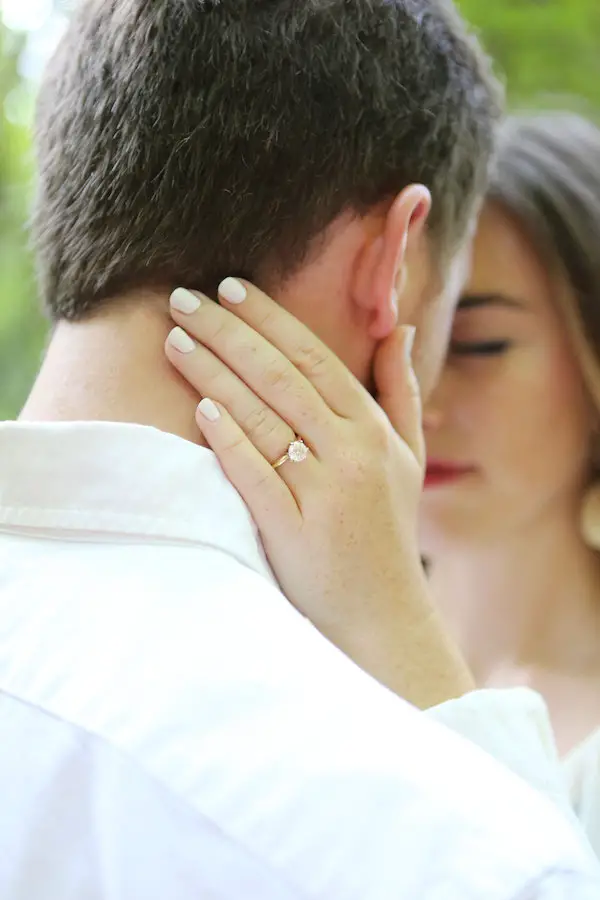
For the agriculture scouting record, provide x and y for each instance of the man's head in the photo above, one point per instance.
(180, 141)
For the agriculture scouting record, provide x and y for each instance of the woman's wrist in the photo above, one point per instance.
(403, 643)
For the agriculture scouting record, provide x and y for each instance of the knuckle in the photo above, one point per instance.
(216, 331)
(232, 446)
(267, 320)
(379, 438)
(279, 378)
(354, 469)
(261, 424)
(353, 459)
(310, 360)
(245, 353)
(255, 421)
(367, 459)
(205, 377)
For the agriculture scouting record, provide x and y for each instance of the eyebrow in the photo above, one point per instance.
(474, 301)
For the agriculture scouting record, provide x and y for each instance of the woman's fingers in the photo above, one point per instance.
(211, 377)
(274, 354)
(260, 486)
(398, 390)
(256, 362)
(331, 378)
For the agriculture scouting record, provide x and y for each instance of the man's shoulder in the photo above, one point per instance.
(198, 669)
(64, 790)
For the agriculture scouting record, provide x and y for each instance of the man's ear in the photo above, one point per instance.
(382, 269)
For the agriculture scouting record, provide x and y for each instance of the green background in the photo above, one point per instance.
(548, 50)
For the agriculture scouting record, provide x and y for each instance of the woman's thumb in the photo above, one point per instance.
(398, 391)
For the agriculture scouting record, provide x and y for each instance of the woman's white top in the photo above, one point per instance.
(514, 727)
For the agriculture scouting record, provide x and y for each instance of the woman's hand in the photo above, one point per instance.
(339, 527)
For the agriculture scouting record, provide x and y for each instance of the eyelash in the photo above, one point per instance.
(483, 348)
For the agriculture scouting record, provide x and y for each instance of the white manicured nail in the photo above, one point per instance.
(184, 301)
(209, 410)
(232, 290)
(179, 339)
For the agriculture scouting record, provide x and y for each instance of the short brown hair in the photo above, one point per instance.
(180, 141)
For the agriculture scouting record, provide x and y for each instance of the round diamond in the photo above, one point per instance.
(297, 451)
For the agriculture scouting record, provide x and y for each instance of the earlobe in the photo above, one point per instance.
(381, 281)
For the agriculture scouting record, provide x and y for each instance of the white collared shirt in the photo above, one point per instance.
(170, 727)
(514, 726)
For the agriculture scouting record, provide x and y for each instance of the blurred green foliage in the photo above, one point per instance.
(549, 51)
(21, 325)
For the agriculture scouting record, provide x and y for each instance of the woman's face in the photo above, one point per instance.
(508, 428)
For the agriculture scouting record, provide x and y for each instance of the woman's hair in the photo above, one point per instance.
(548, 178)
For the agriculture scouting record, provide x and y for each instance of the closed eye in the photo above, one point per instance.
(479, 348)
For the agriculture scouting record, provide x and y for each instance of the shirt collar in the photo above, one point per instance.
(102, 480)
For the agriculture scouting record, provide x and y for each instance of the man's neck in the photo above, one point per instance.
(113, 368)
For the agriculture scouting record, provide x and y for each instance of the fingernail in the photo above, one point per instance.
(184, 301)
(232, 290)
(209, 410)
(395, 301)
(409, 340)
(179, 339)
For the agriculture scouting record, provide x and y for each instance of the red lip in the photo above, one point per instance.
(440, 472)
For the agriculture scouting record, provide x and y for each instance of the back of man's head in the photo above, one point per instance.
(180, 141)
